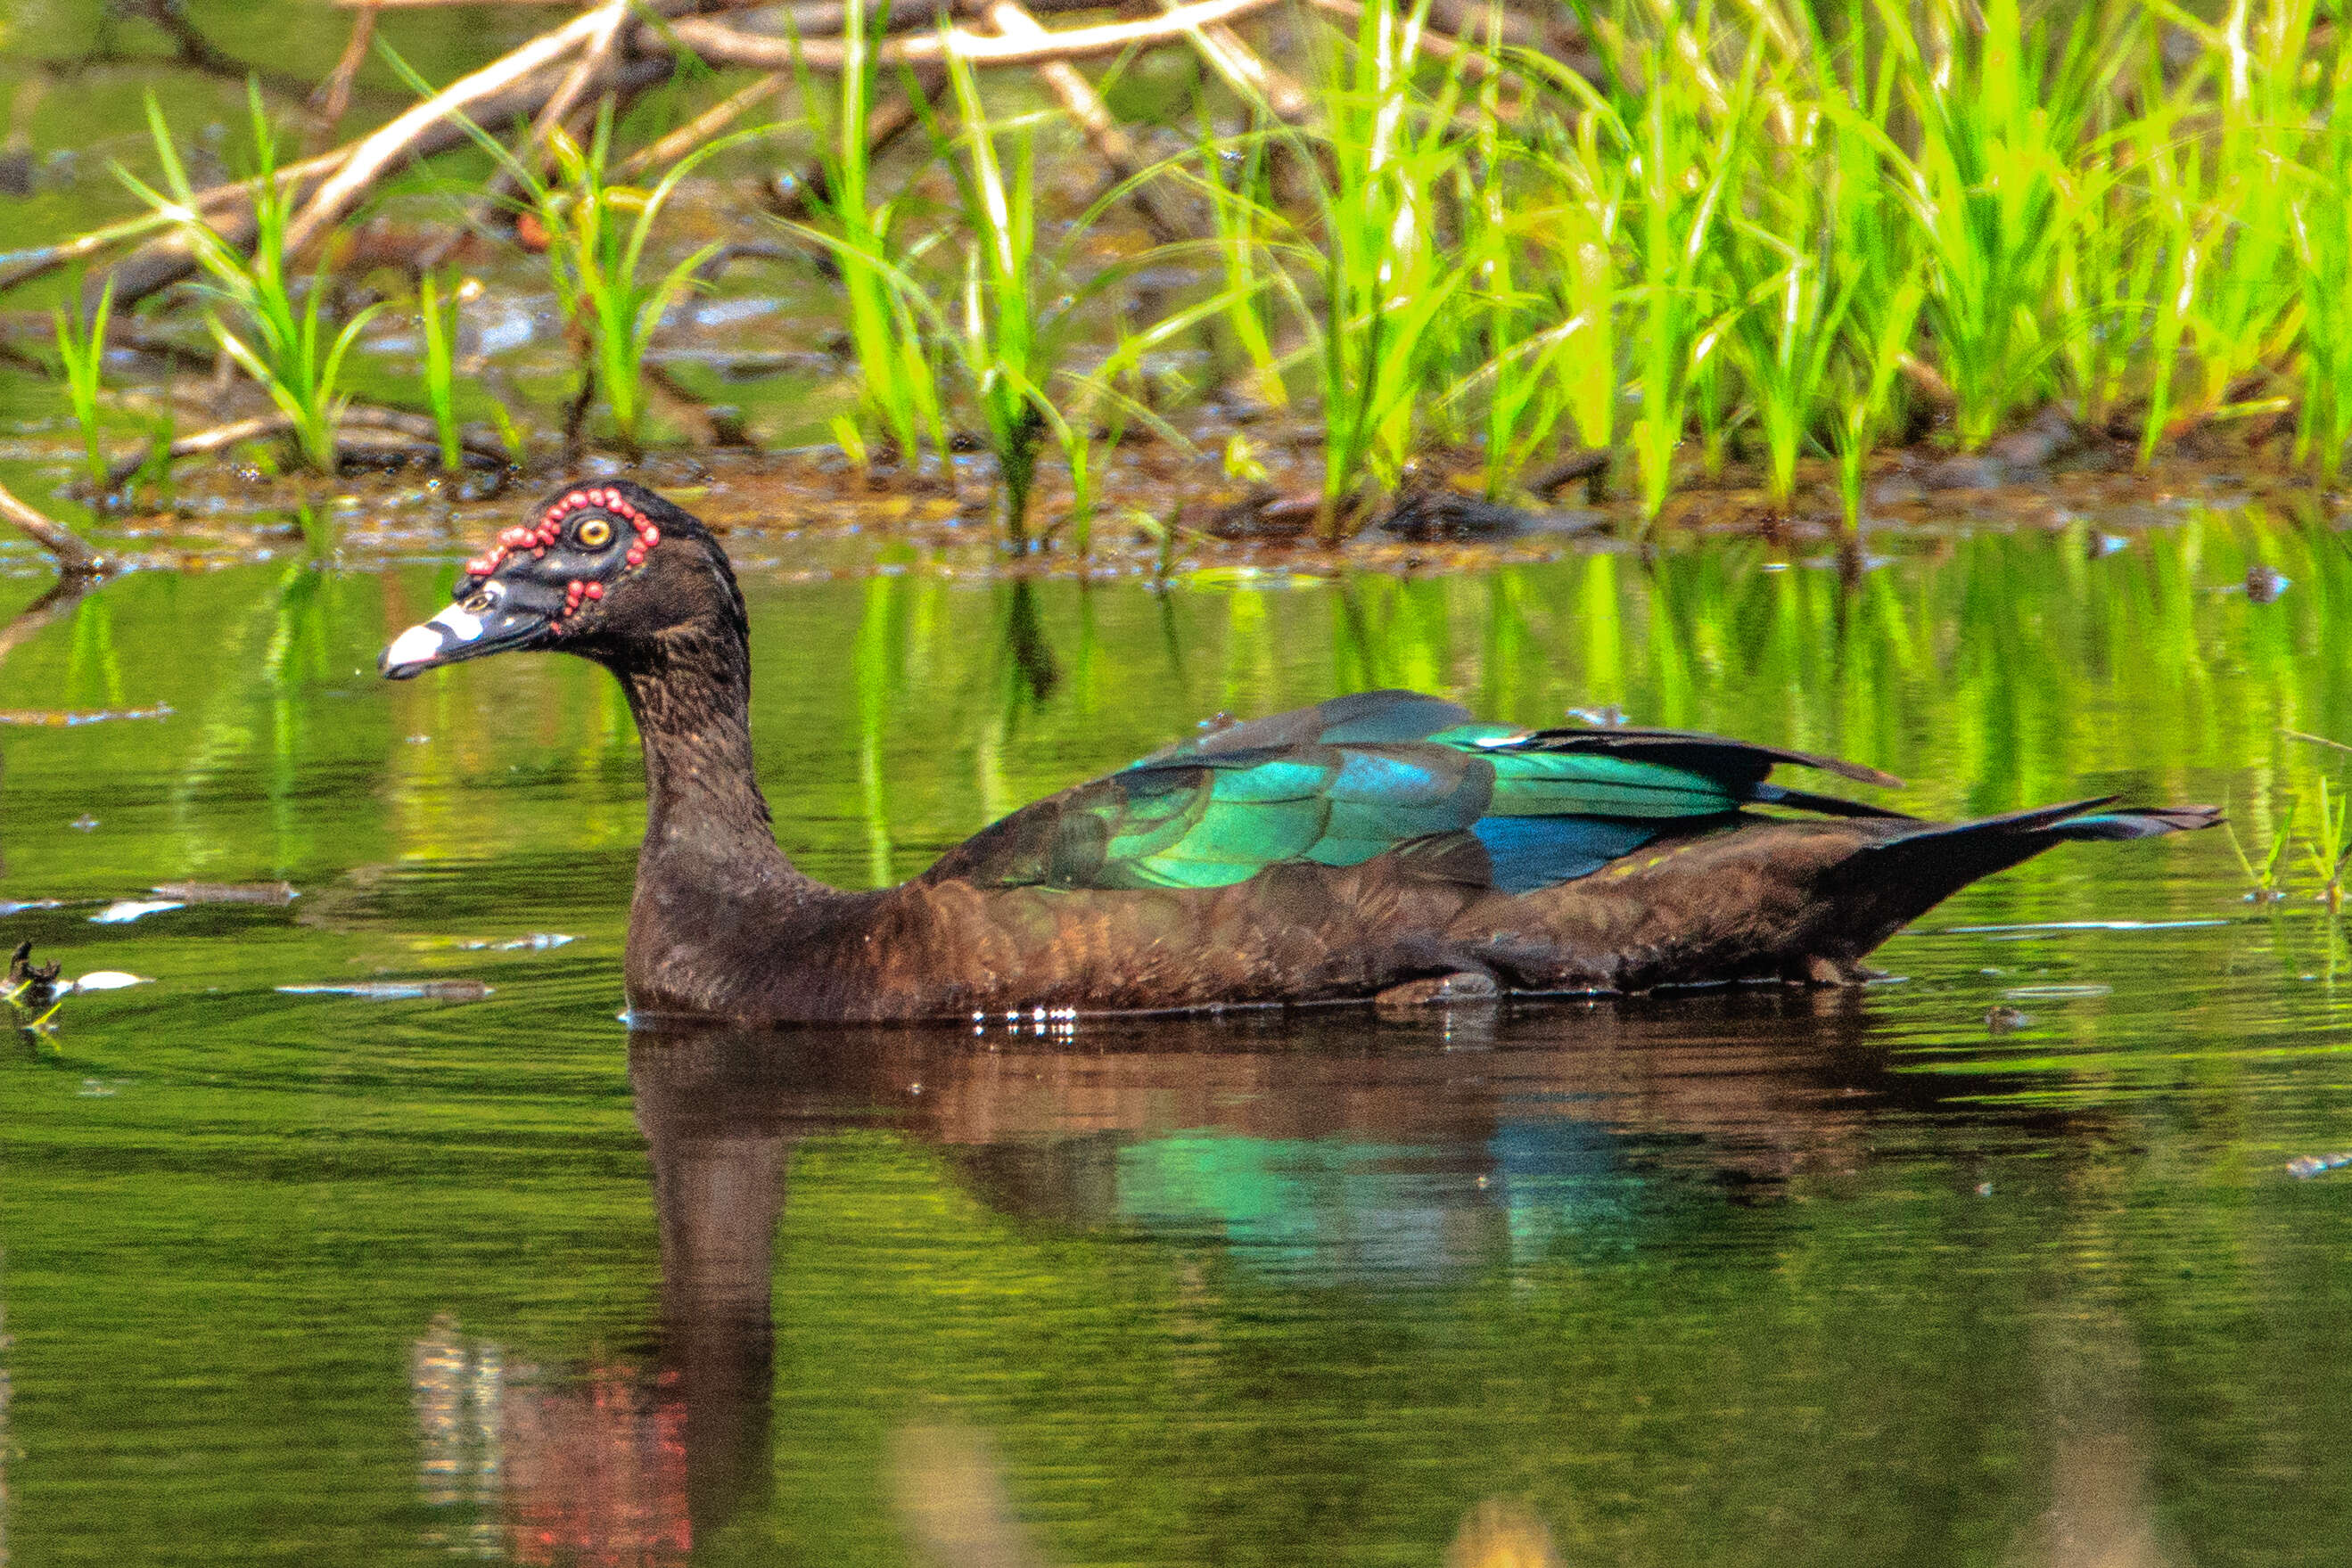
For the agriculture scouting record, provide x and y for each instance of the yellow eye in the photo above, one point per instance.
(595, 533)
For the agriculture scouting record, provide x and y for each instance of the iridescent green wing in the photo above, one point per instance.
(1354, 780)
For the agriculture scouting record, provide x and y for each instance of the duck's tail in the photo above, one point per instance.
(1902, 876)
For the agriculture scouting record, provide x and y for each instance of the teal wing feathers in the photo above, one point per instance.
(1364, 776)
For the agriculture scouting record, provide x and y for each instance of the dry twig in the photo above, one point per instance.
(1083, 104)
(397, 140)
(334, 95)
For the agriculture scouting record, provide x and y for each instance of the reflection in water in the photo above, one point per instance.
(457, 1388)
(1340, 1146)
(1497, 1533)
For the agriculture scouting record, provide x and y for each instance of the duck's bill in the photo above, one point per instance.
(457, 635)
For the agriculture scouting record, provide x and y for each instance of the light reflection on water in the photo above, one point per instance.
(1741, 1278)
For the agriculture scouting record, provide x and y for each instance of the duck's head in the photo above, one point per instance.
(603, 570)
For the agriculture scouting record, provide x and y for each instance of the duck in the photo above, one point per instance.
(1383, 846)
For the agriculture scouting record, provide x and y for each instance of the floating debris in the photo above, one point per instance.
(83, 823)
(2054, 993)
(538, 941)
(2308, 1166)
(227, 891)
(2004, 1019)
(64, 719)
(107, 980)
(123, 911)
(2264, 584)
(397, 990)
(11, 906)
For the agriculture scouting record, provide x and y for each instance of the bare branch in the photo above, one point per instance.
(334, 94)
(720, 44)
(702, 128)
(385, 147)
(75, 557)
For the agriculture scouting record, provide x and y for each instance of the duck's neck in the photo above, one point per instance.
(708, 843)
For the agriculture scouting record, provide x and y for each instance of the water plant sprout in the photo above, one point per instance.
(81, 351)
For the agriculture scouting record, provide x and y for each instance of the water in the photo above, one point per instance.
(306, 1276)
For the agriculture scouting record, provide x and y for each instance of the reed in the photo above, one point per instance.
(996, 333)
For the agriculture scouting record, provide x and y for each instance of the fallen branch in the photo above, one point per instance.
(360, 420)
(75, 557)
(1249, 74)
(718, 44)
(594, 58)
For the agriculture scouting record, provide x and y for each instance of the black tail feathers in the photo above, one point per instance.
(2138, 822)
(1908, 872)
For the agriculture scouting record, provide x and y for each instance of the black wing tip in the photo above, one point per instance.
(1824, 805)
(1618, 738)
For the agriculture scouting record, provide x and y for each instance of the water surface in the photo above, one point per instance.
(315, 1276)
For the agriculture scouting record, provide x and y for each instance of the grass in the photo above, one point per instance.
(1772, 237)
(899, 395)
(275, 337)
(599, 233)
(437, 312)
(1380, 266)
(82, 350)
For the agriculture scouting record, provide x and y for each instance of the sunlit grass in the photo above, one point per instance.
(81, 351)
(599, 232)
(275, 338)
(899, 395)
(1385, 286)
(437, 321)
(1774, 232)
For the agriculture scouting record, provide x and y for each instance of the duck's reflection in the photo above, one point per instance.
(1340, 1145)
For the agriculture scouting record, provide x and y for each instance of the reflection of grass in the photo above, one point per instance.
(2329, 847)
(2264, 877)
(280, 343)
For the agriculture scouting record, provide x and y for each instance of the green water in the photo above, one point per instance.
(1764, 1278)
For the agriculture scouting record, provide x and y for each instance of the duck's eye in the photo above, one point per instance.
(595, 533)
(479, 603)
